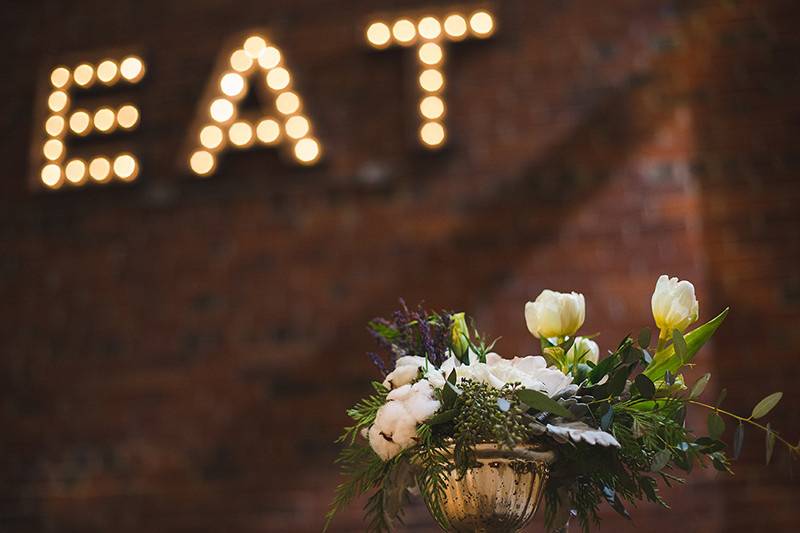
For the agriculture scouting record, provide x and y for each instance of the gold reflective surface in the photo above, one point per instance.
(501, 493)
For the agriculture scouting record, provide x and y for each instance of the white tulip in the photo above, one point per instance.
(584, 350)
(555, 314)
(674, 305)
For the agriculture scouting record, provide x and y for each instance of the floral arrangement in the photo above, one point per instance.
(616, 422)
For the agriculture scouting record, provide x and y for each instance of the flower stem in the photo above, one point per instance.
(749, 420)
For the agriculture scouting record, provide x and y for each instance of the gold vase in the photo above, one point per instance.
(501, 493)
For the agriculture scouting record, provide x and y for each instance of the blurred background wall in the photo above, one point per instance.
(177, 354)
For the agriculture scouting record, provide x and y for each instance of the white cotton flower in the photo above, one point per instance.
(674, 305)
(585, 349)
(405, 371)
(395, 427)
(555, 314)
(581, 432)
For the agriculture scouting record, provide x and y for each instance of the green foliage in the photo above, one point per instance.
(766, 405)
(363, 413)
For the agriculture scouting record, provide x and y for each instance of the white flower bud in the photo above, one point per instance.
(674, 305)
(555, 314)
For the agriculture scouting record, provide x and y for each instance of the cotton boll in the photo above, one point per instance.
(382, 445)
(400, 393)
(400, 376)
(421, 403)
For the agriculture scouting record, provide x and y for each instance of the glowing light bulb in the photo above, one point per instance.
(278, 79)
(54, 125)
(432, 134)
(221, 110)
(378, 34)
(253, 46)
(100, 169)
(240, 61)
(51, 175)
(287, 103)
(269, 57)
(404, 31)
(297, 127)
(202, 162)
(107, 71)
(240, 133)
(232, 84)
(75, 171)
(104, 119)
(127, 116)
(481, 23)
(132, 68)
(431, 80)
(53, 149)
(84, 74)
(455, 26)
(268, 131)
(431, 107)
(79, 122)
(430, 53)
(59, 78)
(211, 137)
(429, 28)
(125, 167)
(57, 101)
(307, 150)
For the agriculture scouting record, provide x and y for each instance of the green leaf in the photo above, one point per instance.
(763, 407)
(679, 344)
(607, 419)
(542, 402)
(450, 392)
(722, 395)
(667, 359)
(602, 368)
(699, 386)
(660, 460)
(441, 418)
(646, 387)
(770, 443)
(644, 338)
(738, 440)
(716, 426)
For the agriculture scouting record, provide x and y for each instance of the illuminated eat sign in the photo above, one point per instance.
(219, 126)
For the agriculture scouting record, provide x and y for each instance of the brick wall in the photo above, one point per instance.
(177, 354)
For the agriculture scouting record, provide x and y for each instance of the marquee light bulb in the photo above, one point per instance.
(297, 127)
(269, 57)
(53, 149)
(107, 71)
(378, 34)
(100, 169)
(211, 137)
(57, 101)
(59, 78)
(202, 162)
(431, 107)
(404, 31)
(132, 68)
(240, 133)
(54, 125)
(432, 134)
(232, 84)
(79, 122)
(254, 45)
(429, 28)
(481, 23)
(125, 167)
(455, 26)
(431, 53)
(51, 175)
(431, 80)
(104, 119)
(268, 131)
(307, 150)
(287, 103)
(84, 74)
(278, 79)
(240, 61)
(221, 110)
(75, 171)
(127, 116)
